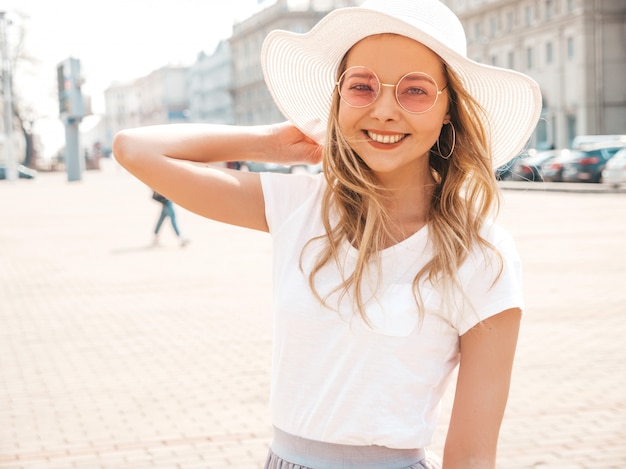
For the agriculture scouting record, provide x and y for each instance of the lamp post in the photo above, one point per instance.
(71, 111)
(11, 167)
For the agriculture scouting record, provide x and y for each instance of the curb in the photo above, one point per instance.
(575, 187)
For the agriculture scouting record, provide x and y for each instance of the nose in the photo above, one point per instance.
(386, 106)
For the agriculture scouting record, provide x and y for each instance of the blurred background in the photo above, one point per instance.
(114, 42)
(74, 73)
(115, 353)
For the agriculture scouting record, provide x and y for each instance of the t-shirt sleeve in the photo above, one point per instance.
(286, 193)
(487, 290)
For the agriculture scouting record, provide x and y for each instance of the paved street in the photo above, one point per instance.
(116, 354)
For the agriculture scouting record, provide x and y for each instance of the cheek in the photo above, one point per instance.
(433, 121)
(347, 120)
(428, 126)
(426, 132)
(344, 115)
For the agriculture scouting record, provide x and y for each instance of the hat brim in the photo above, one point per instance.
(300, 72)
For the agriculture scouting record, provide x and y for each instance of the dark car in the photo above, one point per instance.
(505, 171)
(529, 169)
(586, 165)
(23, 172)
(552, 170)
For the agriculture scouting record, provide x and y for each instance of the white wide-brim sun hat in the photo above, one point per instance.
(300, 69)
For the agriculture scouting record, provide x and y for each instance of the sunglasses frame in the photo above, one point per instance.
(388, 85)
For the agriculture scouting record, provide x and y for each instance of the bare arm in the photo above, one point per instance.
(163, 157)
(487, 352)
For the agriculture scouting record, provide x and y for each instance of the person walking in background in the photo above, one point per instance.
(167, 211)
(390, 270)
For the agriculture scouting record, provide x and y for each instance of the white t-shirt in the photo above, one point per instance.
(339, 380)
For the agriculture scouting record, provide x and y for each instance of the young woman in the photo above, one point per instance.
(389, 269)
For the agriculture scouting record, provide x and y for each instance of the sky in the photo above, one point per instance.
(115, 41)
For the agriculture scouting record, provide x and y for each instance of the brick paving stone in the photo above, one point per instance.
(115, 354)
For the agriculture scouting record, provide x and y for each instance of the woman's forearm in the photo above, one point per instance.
(201, 143)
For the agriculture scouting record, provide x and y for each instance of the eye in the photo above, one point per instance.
(359, 80)
(417, 85)
(414, 91)
(360, 86)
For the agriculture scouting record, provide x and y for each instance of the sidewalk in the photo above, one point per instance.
(115, 354)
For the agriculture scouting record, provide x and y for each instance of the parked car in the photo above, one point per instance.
(529, 169)
(587, 165)
(552, 170)
(23, 172)
(281, 168)
(504, 172)
(614, 172)
(257, 167)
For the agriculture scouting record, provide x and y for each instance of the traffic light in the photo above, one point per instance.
(70, 95)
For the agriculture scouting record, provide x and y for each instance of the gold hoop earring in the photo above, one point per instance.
(453, 143)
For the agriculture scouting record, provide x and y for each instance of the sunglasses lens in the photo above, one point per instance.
(359, 86)
(417, 92)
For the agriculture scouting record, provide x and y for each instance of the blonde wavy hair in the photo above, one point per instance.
(464, 196)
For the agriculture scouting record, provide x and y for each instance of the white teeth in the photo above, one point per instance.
(385, 138)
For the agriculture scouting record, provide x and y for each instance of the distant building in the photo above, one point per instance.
(158, 98)
(163, 96)
(121, 101)
(574, 49)
(209, 84)
(252, 100)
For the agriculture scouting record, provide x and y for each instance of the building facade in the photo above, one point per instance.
(160, 97)
(252, 100)
(574, 49)
(210, 87)
(121, 102)
(225, 87)
(163, 96)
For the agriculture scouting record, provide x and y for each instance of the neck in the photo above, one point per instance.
(408, 207)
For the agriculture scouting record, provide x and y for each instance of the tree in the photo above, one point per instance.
(24, 113)
(26, 119)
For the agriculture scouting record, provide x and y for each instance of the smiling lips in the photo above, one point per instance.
(387, 139)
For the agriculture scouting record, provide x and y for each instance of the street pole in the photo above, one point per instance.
(73, 162)
(71, 108)
(11, 166)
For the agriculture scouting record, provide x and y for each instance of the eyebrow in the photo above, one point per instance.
(363, 74)
(424, 77)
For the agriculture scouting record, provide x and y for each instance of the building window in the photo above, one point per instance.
(541, 133)
(529, 58)
(493, 26)
(510, 60)
(494, 60)
(549, 53)
(570, 48)
(571, 129)
(478, 32)
(549, 9)
(528, 16)
(570, 6)
(509, 21)
(300, 28)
